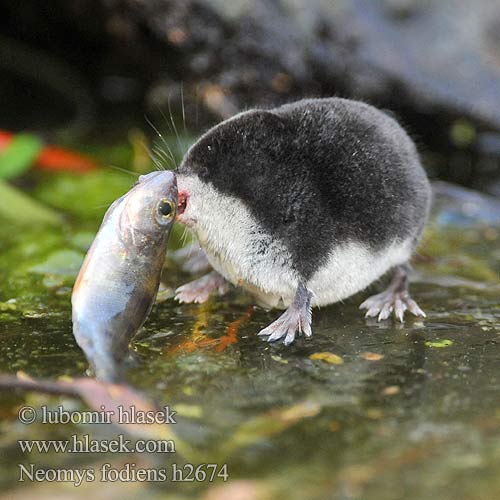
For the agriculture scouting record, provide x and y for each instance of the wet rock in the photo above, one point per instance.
(443, 55)
(438, 57)
(464, 208)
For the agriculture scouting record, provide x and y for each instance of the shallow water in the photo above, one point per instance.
(400, 412)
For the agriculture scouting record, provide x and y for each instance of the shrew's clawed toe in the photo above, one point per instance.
(383, 304)
(199, 290)
(395, 299)
(297, 318)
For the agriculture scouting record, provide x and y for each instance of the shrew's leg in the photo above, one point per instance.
(395, 299)
(199, 290)
(297, 317)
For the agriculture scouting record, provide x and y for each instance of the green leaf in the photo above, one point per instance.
(439, 343)
(19, 156)
(329, 357)
(20, 208)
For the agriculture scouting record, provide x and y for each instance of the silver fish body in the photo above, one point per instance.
(120, 276)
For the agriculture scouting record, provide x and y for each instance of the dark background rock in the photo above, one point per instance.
(435, 64)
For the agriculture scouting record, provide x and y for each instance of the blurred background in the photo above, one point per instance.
(95, 92)
(88, 71)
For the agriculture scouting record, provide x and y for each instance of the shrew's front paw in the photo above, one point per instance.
(199, 291)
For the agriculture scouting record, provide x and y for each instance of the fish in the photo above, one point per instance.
(120, 275)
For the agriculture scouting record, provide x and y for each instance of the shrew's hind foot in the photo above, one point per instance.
(199, 290)
(297, 318)
(395, 299)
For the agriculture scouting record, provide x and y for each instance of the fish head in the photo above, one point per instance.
(150, 206)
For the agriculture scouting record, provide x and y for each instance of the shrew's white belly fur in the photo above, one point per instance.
(239, 249)
(351, 268)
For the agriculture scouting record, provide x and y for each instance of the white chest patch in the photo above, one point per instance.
(238, 248)
(236, 245)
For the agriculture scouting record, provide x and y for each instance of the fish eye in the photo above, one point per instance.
(166, 209)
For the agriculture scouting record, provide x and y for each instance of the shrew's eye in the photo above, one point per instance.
(166, 209)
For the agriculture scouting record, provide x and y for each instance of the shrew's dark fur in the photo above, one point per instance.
(318, 173)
